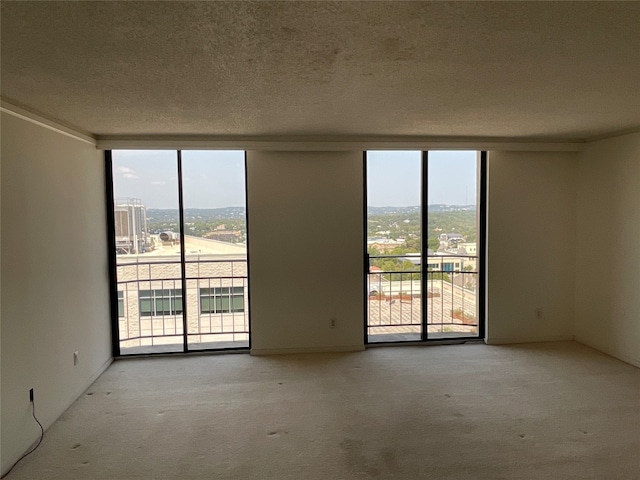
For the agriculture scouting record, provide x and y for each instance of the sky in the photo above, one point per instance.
(214, 179)
(211, 179)
(393, 178)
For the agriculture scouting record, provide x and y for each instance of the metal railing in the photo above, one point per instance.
(395, 300)
(395, 304)
(215, 315)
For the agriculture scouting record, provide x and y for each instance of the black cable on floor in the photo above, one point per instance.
(33, 412)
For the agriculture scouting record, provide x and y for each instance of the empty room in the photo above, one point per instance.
(277, 240)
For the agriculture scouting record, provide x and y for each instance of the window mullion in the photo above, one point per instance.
(183, 265)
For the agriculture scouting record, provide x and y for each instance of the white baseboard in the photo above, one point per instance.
(285, 351)
(508, 340)
(625, 358)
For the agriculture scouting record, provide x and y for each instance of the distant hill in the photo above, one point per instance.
(212, 213)
(392, 210)
(404, 222)
(196, 214)
(416, 209)
(451, 208)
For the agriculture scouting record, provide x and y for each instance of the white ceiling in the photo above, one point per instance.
(527, 70)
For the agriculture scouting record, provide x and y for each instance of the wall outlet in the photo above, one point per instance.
(76, 359)
(539, 313)
(31, 395)
(333, 322)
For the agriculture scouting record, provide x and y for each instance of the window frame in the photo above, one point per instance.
(480, 254)
(118, 305)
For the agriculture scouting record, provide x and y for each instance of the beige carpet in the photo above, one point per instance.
(540, 411)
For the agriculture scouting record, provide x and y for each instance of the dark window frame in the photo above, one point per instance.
(480, 254)
(114, 300)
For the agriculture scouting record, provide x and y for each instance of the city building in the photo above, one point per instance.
(383, 245)
(548, 89)
(449, 240)
(151, 299)
(470, 248)
(130, 221)
(231, 236)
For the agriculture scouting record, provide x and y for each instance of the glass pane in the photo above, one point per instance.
(224, 304)
(120, 303)
(215, 246)
(394, 243)
(163, 306)
(453, 244)
(145, 306)
(147, 235)
(218, 304)
(238, 303)
(204, 305)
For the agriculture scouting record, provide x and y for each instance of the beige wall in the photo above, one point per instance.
(305, 250)
(300, 276)
(607, 300)
(54, 277)
(531, 252)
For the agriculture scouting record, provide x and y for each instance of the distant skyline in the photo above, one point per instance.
(216, 179)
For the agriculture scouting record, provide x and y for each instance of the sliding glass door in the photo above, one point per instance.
(424, 245)
(179, 251)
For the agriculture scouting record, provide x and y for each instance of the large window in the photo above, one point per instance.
(179, 248)
(424, 209)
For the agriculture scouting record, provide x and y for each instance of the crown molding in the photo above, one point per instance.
(45, 121)
(331, 143)
(299, 142)
(618, 133)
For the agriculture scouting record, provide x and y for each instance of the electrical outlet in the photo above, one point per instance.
(333, 322)
(538, 313)
(76, 359)
(31, 395)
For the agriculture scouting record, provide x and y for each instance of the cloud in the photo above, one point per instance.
(158, 182)
(127, 172)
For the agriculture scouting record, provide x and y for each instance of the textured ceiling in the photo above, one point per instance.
(548, 70)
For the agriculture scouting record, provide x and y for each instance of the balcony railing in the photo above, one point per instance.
(151, 304)
(395, 301)
(151, 301)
